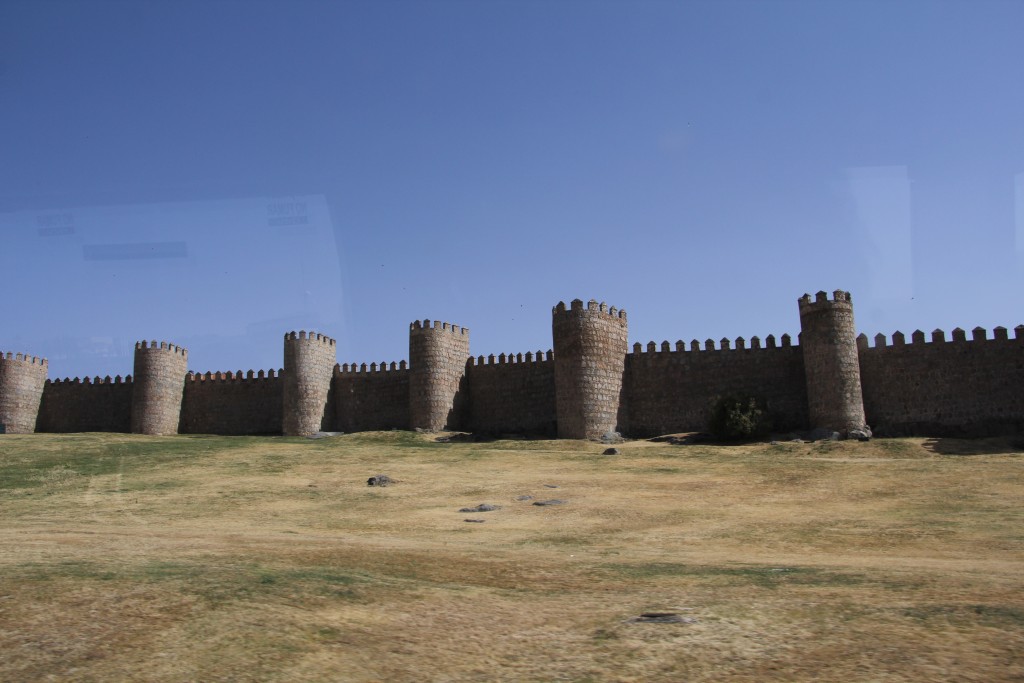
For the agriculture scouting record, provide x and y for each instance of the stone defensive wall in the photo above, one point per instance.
(590, 383)
(944, 387)
(232, 403)
(512, 394)
(671, 389)
(371, 397)
(87, 405)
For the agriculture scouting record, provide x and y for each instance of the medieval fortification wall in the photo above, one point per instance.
(588, 384)
(512, 394)
(943, 387)
(232, 403)
(370, 398)
(671, 390)
(87, 405)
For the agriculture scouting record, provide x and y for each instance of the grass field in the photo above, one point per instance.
(130, 558)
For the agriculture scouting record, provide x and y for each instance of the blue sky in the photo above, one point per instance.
(217, 173)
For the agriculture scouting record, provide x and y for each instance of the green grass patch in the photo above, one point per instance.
(28, 462)
(214, 581)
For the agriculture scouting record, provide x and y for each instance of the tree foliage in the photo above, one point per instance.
(734, 418)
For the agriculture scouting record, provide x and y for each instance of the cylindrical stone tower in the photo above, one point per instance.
(438, 354)
(831, 362)
(22, 379)
(309, 362)
(590, 358)
(158, 385)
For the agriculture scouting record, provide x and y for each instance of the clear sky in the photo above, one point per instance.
(217, 173)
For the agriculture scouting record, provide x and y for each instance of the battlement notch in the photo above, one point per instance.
(437, 326)
(576, 306)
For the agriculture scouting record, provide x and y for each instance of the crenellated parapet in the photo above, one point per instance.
(511, 359)
(724, 344)
(127, 379)
(438, 353)
(439, 326)
(831, 363)
(369, 368)
(236, 376)
(592, 308)
(309, 361)
(22, 378)
(591, 343)
(956, 383)
(24, 358)
(958, 336)
(159, 381)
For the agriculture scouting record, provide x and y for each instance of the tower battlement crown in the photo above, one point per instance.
(428, 326)
(161, 346)
(821, 301)
(311, 336)
(24, 358)
(593, 307)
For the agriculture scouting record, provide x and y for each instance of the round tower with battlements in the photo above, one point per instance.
(438, 353)
(22, 378)
(590, 346)
(309, 361)
(158, 385)
(831, 362)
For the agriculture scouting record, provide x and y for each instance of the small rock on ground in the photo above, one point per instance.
(861, 434)
(553, 501)
(380, 480)
(482, 507)
(611, 451)
(612, 437)
(475, 521)
(661, 618)
(524, 497)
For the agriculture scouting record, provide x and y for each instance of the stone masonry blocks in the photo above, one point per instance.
(22, 379)
(159, 382)
(590, 354)
(831, 362)
(309, 362)
(437, 368)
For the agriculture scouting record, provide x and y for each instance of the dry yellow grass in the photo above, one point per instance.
(244, 559)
